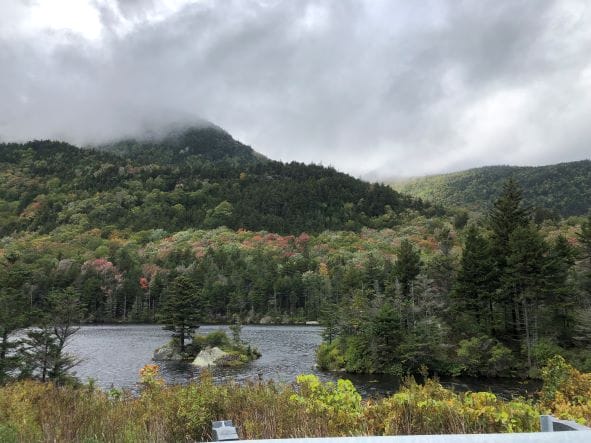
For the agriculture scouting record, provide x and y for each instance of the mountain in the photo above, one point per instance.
(195, 178)
(202, 143)
(563, 189)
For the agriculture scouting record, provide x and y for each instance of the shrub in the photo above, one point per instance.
(329, 356)
(432, 409)
(213, 339)
(483, 355)
(566, 391)
(544, 350)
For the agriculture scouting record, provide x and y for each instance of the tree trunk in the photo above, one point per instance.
(182, 338)
(527, 333)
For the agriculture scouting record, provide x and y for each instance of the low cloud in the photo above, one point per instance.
(376, 88)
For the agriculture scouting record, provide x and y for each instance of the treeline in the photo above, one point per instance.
(560, 190)
(514, 299)
(44, 185)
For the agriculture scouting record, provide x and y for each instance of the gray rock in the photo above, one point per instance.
(167, 352)
(266, 320)
(209, 357)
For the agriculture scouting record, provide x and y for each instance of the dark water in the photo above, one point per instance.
(113, 356)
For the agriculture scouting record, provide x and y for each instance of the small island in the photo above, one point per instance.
(213, 349)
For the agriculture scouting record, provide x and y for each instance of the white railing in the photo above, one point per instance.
(549, 425)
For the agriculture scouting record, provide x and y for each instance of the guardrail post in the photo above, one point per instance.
(546, 423)
(224, 431)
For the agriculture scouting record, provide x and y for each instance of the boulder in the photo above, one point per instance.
(266, 320)
(209, 357)
(167, 352)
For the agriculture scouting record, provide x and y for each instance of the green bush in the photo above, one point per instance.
(330, 357)
(544, 350)
(8, 434)
(483, 355)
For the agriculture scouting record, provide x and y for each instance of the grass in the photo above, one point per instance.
(35, 412)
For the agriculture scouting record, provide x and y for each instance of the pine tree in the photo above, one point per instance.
(13, 317)
(525, 280)
(507, 214)
(585, 241)
(14, 312)
(43, 348)
(560, 292)
(407, 266)
(475, 286)
(181, 311)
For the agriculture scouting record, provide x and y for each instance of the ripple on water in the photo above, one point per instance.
(114, 354)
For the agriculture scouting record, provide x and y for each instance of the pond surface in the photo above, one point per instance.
(113, 355)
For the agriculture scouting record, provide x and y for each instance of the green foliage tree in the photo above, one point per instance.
(43, 350)
(407, 266)
(474, 289)
(13, 317)
(506, 215)
(181, 312)
(14, 313)
(585, 240)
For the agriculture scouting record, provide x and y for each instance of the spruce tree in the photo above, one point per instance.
(474, 288)
(181, 312)
(43, 349)
(507, 214)
(13, 317)
(559, 291)
(14, 312)
(525, 279)
(585, 241)
(407, 266)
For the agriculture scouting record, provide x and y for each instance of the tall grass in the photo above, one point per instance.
(36, 412)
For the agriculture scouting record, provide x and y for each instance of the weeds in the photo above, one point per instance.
(36, 412)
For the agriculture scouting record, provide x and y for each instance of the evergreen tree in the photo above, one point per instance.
(560, 292)
(507, 214)
(475, 286)
(585, 241)
(525, 280)
(181, 311)
(407, 266)
(43, 350)
(13, 317)
(14, 312)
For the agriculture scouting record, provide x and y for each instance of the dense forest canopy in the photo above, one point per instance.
(399, 284)
(177, 183)
(557, 190)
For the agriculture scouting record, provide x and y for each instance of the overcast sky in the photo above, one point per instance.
(375, 88)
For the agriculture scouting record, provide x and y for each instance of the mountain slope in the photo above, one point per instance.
(193, 179)
(564, 188)
(203, 143)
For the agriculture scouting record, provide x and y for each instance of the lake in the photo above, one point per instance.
(112, 355)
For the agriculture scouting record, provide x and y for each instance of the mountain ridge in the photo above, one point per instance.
(562, 188)
(208, 142)
(202, 178)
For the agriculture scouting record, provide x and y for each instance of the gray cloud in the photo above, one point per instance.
(376, 88)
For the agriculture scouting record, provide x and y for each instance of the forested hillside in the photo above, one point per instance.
(113, 236)
(199, 178)
(563, 189)
(191, 145)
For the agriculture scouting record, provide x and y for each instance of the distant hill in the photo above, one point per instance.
(564, 188)
(193, 178)
(202, 143)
